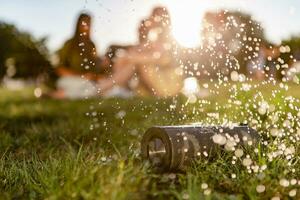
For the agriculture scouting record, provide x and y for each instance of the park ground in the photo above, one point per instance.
(89, 149)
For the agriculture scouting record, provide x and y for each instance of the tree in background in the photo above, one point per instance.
(21, 55)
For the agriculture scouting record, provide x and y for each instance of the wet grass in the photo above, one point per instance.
(89, 149)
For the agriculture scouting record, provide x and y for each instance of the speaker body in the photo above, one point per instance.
(173, 148)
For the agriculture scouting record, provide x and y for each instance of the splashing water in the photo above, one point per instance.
(229, 67)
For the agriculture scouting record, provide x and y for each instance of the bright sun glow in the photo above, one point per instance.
(186, 22)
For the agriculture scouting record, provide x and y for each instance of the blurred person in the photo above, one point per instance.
(268, 63)
(225, 48)
(255, 66)
(273, 66)
(293, 73)
(150, 61)
(79, 66)
(108, 59)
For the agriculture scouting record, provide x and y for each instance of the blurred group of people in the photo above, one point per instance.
(150, 67)
(145, 68)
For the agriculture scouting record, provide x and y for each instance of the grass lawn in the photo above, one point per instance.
(89, 149)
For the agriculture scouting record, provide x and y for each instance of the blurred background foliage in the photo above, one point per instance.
(22, 55)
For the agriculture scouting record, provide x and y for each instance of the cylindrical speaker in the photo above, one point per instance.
(172, 148)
